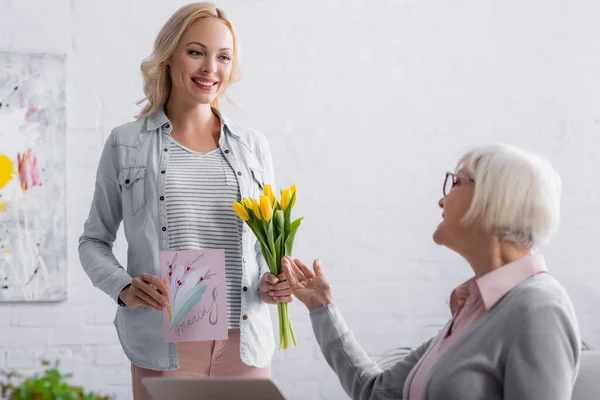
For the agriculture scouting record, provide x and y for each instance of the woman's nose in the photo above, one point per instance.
(441, 202)
(210, 66)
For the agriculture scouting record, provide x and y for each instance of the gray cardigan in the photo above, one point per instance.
(527, 346)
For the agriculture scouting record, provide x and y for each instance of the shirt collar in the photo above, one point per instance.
(159, 118)
(497, 283)
(461, 293)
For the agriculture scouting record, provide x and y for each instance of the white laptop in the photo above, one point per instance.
(212, 388)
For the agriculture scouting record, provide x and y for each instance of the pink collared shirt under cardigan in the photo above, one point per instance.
(469, 302)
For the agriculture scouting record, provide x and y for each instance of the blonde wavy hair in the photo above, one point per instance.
(157, 79)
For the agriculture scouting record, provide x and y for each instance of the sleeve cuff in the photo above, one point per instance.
(116, 282)
(328, 324)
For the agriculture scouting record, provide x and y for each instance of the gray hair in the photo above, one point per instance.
(517, 194)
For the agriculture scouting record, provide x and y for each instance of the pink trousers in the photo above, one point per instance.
(200, 360)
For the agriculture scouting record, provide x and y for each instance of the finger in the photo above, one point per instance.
(295, 270)
(289, 272)
(281, 277)
(264, 286)
(317, 267)
(279, 293)
(284, 299)
(269, 277)
(267, 299)
(147, 300)
(305, 270)
(150, 291)
(300, 273)
(155, 282)
(280, 286)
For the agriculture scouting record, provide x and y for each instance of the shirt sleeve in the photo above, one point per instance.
(100, 229)
(359, 376)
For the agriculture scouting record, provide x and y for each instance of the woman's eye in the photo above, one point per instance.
(226, 58)
(195, 53)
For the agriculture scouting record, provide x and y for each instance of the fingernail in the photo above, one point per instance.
(271, 293)
(166, 303)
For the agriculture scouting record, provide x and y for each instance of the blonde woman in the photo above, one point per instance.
(171, 177)
(513, 332)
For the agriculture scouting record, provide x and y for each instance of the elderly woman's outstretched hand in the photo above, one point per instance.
(310, 287)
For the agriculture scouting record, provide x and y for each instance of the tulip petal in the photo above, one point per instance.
(241, 212)
(286, 196)
(265, 208)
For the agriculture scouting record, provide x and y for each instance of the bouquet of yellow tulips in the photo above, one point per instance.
(270, 220)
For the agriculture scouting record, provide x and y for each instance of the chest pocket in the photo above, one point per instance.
(133, 188)
(257, 181)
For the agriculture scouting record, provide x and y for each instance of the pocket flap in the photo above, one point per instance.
(258, 176)
(128, 175)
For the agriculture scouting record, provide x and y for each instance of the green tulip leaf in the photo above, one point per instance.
(289, 242)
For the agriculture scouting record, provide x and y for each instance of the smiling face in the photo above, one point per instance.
(202, 63)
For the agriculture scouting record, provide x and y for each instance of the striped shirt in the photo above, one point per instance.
(200, 188)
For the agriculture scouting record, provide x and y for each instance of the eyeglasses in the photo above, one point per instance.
(453, 180)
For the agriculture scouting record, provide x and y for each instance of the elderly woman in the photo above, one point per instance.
(513, 332)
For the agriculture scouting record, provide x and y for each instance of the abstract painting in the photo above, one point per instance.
(33, 259)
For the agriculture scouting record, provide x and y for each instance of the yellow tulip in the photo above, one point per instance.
(270, 194)
(293, 190)
(247, 202)
(256, 209)
(265, 208)
(240, 210)
(286, 196)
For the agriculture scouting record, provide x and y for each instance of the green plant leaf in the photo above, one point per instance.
(270, 259)
(51, 385)
(260, 235)
(279, 218)
(279, 246)
(271, 239)
(289, 242)
(189, 300)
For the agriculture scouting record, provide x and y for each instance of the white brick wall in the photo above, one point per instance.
(366, 105)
